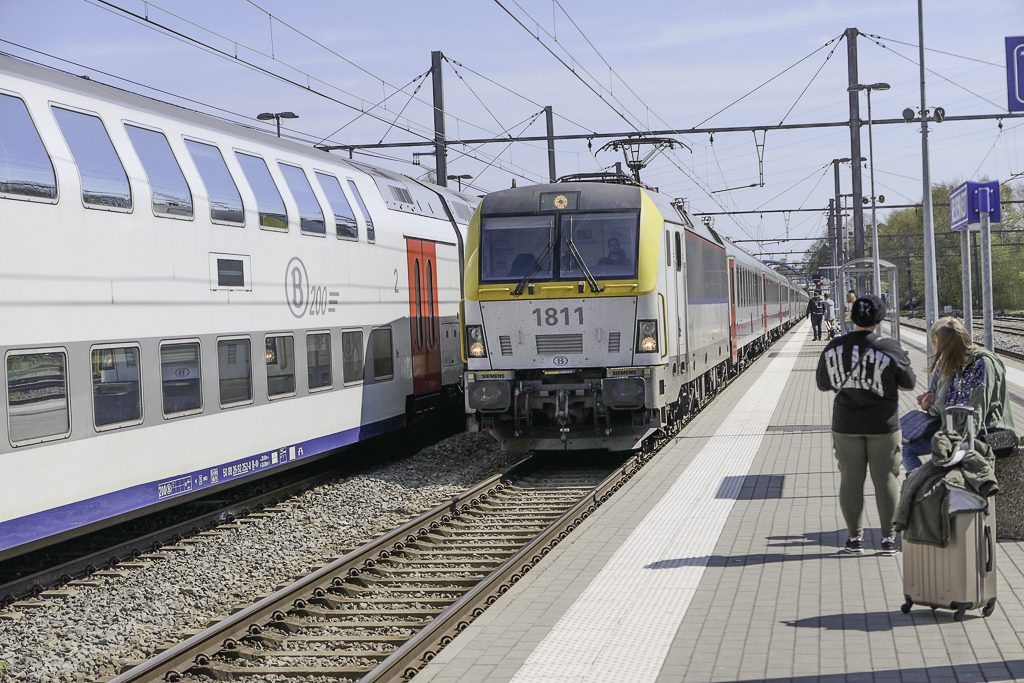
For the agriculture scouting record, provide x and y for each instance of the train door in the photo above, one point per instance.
(682, 343)
(733, 299)
(424, 328)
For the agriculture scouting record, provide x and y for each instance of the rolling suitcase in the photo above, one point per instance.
(962, 575)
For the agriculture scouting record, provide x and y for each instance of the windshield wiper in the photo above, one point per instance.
(518, 291)
(594, 287)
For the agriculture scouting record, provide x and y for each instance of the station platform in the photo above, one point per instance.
(720, 561)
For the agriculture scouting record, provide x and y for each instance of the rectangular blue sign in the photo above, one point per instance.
(968, 201)
(958, 208)
(1015, 73)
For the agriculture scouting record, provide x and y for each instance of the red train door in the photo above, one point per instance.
(424, 328)
(733, 297)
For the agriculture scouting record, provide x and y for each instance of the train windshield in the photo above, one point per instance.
(512, 247)
(606, 243)
(515, 247)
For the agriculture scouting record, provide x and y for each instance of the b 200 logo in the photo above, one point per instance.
(560, 360)
(304, 297)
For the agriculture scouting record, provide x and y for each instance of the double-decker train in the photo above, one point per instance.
(150, 253)
(597, 313)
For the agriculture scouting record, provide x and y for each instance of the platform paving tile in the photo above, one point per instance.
(777, 601)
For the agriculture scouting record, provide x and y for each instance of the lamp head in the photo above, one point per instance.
(288, 115)
(265, 116)
(856, 88)
(879, 86)
(908, 114)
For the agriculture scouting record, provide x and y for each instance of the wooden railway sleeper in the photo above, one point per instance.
(254, 654)
(292, 625)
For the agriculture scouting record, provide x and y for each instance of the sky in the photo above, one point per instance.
(649, 64)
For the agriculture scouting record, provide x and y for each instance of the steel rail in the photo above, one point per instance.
(417, 652)
(173, 662)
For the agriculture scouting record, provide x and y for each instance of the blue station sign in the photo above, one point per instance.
(1015, 73)
(968, 201)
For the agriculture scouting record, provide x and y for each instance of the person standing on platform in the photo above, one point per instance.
(851, 296)
(816, 309)
(866, 372)
(830, 315)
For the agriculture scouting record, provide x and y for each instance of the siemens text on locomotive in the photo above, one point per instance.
(598, 312)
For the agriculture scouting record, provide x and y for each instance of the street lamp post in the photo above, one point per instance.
(266, 116)
(460, 178)
(871, 167)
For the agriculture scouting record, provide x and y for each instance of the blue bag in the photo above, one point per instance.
(918, 424)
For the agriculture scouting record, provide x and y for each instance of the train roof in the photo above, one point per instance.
(385, 179)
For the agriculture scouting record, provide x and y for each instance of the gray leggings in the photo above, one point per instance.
(856, 454)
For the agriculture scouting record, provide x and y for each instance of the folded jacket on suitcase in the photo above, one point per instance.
(924, 508)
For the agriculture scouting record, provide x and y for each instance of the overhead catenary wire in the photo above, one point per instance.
(882, 45)
(191, 40)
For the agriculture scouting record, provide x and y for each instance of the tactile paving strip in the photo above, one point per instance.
(622, 625)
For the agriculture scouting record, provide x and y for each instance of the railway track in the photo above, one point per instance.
(75, 561)
(382, 611)
(1008, 353)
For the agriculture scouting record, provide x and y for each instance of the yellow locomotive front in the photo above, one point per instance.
(566, 337)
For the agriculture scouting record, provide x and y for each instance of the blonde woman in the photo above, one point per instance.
(932, 401)
(976, 376)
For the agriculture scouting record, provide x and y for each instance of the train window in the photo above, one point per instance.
(606, 243)
(311, 216)
(116, 387)
(171, 195)
(352, 356)
(104, 181)
(431, 332)
(513, 247)
(383, 358)
(37, 397)
(280, 356)
(269, 203)
(318, 360)
(225, 201)
(370, 235)
(344, 219)
(234, 365)
(419, 304)
(230, 272)
(181, 378)
(679, 251)
(668, 248)
(25, 167)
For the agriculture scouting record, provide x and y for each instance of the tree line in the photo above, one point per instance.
(901, 240)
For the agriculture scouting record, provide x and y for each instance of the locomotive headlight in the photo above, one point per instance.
(647, 336)
(475, 346)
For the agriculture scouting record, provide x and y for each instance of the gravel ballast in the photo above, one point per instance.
(94, 632)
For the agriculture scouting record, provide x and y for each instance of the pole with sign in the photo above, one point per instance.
(976, 204)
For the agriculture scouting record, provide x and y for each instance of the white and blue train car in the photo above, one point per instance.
(187, 302)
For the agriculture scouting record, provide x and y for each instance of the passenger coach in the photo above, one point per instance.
(598, 312)
(187, 302)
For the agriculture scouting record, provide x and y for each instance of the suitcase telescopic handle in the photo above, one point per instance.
(989, 550)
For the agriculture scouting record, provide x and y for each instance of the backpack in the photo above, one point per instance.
(817, 307)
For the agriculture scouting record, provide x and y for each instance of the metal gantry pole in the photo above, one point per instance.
(965, 266)
(931, 289)
(550, 119)
(986, 280)
(440, 156)
(874, 220)
(855, 155)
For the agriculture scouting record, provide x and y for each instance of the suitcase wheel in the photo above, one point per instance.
(905, 607)
(958, 615)
(989, 608)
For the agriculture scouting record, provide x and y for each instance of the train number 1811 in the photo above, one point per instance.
(558, 316)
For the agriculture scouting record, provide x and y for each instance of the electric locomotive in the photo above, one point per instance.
(597, 313)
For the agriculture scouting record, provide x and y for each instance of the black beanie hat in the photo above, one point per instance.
(867, 310)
